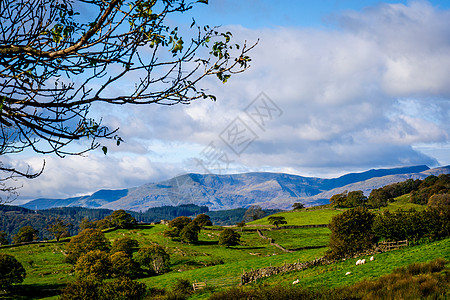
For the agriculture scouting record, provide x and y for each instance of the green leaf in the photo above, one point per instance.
(105, 150)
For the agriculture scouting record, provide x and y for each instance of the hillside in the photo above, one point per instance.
(218, 192)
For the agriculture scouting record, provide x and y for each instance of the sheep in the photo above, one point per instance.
(360, 262)
(295, 281)
(348, 273)
(372, 258)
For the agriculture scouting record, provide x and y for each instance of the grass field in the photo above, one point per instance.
(332, 276)
(402, 202)
(301, 237)
(303, 217)
(47, 272)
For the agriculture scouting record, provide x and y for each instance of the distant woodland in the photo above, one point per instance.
(12, 218)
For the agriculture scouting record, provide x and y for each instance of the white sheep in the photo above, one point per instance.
(348, 273)
(363, 261)
(295, 281)
(358, 262)
(372, 258)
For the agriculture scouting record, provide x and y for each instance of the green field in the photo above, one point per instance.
(301, 237)
(47, 272)
(303, 217)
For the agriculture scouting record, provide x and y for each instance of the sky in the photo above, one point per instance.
(334, 87)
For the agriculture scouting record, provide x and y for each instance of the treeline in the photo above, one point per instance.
(359, 229)
(13, 218)
(433, 188)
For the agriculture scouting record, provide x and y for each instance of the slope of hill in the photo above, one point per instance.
(218, 192)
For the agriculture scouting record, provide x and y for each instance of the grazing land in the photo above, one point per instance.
(206, 260)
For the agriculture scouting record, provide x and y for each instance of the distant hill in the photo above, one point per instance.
(219, 192)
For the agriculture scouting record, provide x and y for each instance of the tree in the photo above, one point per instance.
(121, 219)
(85, 224)
(277, 220)
(59, 228)
(125, 244)
(93, 264)
(26, 234)
(122, 265)
(176, 225)
(356, 198)
(339, 200)
(56, 62)
(153, 258)
(87, 240)
(351, 232)
(254, 212)
(439, 200)
(82, 289)
(189, 233)
(3, 239)
(229, 237)
(378, 198)
(241, 225)
(298, 205)
(202, 220)
(122, 289)
(11, 271)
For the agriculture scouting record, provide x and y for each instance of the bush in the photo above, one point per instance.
(182, 289)
(26, 234)
(176, 225)
(11, 271)
(229, 237)
(121, 219)
(351, 232)
(123, 289)
(123, 265)
(93, 264)
(119, 289)
(81, 290)
(88, 240)
(126, 245)
(189, 233)
(153, 258)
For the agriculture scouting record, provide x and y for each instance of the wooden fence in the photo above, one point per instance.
(388, 246)
(217, 282)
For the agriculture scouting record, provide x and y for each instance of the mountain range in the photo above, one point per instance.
(269, 190)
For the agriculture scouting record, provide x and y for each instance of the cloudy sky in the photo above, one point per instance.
(334, 87)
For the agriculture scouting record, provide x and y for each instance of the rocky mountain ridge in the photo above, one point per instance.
(269, 190)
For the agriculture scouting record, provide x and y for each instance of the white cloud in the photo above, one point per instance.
(359, 96)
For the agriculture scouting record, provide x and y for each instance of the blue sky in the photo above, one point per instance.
(350, 86)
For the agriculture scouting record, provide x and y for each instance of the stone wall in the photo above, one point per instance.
(253, 275)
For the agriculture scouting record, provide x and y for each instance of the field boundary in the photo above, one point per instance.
(217, 282)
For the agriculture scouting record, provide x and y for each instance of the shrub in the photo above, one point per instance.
(229, 237)
(176, 225)
(122, 289)
(153, 258)
(121, 219)
(26, 234)
(182, 289)
(202, 220)
(11, 271)
(81, 290)
(125, 244)
(123, 266)
(88, 240)
(189, 233)
(93, 264)
(351, 232)
(119, 289)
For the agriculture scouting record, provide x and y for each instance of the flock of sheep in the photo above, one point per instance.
(358, 262)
